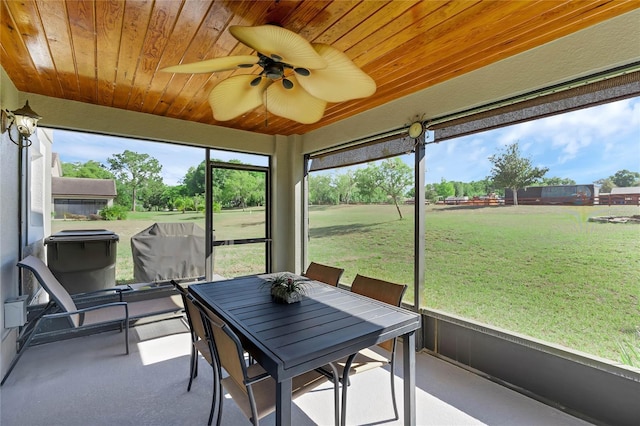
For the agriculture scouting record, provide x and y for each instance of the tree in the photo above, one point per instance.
(623, 178)
(554, 181)
(606, 185)
(459, 188)
(512, 171)
(152, 195)
(321, 190)
(194, 179)
(445, 189)
(367, 182)
(244, 186)
(430, 192)
(393, 176)
(91, 169)
(136, 171)
(345, 185)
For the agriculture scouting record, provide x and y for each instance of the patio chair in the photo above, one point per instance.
(199, 344)
(323, 273)
(114, 312)
(368, 359)
(250, 386)
(198, 334)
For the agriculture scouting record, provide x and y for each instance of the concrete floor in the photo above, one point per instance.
(90, 381)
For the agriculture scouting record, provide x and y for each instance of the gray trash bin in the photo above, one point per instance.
(83, 260)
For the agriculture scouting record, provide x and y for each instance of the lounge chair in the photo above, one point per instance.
(120, 312)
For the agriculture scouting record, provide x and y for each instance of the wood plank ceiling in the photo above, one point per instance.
(109, 52)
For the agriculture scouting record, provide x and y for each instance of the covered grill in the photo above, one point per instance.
(166, 251)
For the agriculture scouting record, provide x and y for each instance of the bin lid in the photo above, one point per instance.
(80, 235)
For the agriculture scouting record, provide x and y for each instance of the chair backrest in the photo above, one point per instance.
(228, 348)
(381, 290)
(326, 274)
(193, 313)
(51, 285)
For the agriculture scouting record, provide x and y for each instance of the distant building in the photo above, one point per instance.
(78, 196)
(554, 195)
(621, 195)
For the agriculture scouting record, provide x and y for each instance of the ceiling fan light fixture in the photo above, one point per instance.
(302, 71)
(256, 81)
(287, 84)
(274, 71)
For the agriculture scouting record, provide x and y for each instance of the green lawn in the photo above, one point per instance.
(542, 271)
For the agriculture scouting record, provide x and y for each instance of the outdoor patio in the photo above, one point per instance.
(89, 380)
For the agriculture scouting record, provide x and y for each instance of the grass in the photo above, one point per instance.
(543, 271)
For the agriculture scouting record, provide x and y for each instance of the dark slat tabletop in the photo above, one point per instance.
(288, 339)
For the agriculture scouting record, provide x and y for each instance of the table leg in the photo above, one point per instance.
(409, 369)
(283, 402)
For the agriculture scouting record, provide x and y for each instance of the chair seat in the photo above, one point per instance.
(264, 391)
(142, 308)
(137, 309)
(367, 359)
(104, 315)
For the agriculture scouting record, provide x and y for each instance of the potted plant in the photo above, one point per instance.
(286, 288)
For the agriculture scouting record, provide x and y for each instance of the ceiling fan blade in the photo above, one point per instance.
(279, 44)
(234, 96)
(214, 65)
(295, 103)
(341, 81)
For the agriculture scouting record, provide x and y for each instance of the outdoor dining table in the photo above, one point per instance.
(328, 324)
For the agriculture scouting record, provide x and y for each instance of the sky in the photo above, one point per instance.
(584, 145)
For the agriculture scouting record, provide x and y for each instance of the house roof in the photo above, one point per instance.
(625, 190)
(74, 187)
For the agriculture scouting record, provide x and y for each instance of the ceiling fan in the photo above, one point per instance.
(297, 80)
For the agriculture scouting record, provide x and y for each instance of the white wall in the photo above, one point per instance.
(8, 221)
(36, 199)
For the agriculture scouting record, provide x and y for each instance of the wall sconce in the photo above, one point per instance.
(25, 119)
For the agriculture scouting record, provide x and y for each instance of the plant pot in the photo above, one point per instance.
(290, 298)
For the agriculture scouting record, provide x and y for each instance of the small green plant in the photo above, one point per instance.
(630, 352)
(286, 288)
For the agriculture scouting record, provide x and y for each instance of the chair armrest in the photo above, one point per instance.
(258, 378)
(91, 308)
(117, 290)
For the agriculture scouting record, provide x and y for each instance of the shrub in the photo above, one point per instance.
(71, 216)
(115, 212)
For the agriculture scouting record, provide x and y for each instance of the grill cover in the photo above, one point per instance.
(166, 251)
